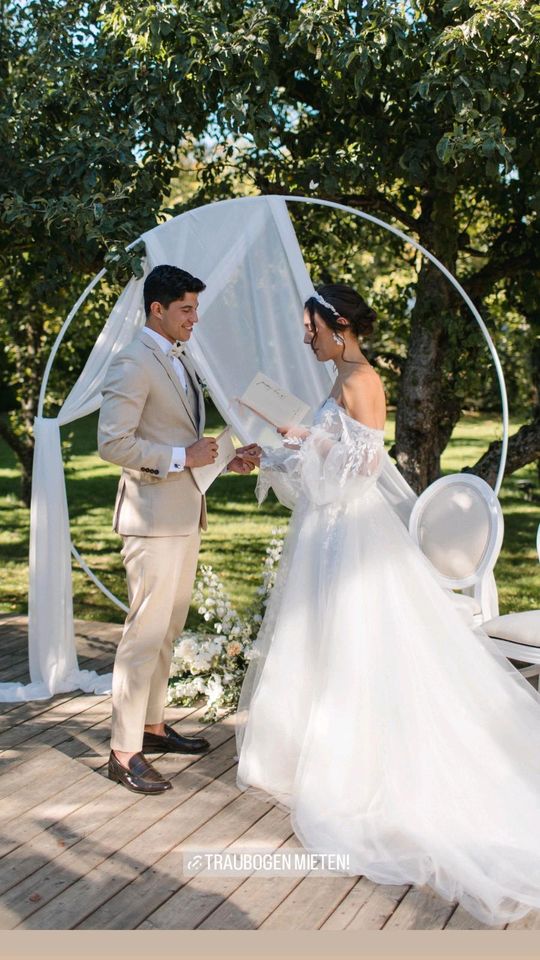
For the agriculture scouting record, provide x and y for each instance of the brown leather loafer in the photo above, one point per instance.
(172, 742)
(141, 776)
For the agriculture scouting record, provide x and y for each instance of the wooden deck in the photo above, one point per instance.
(78, 851)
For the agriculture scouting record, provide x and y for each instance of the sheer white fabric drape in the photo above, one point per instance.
(247, 253)
(51, 643)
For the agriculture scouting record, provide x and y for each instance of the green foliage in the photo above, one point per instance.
(86, 162)
(239, 530)
(421, 112)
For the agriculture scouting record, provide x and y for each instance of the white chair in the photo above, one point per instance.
(457, 522)
(518, 634)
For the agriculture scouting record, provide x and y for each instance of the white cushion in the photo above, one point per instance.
(521, 627)
(454, 530)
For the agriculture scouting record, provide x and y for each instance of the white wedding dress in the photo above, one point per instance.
(392, 730)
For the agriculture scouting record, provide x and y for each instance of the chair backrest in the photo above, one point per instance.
(538, 541)
(458, 524)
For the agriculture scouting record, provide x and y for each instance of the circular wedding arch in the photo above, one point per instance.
(316, 201)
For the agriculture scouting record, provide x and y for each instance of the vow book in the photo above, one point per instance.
(204, 476)
(272, 402)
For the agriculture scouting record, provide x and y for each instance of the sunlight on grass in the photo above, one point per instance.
(239, 530)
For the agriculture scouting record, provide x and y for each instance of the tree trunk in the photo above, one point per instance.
(424, 418)
(22, 445)
(523, 448)
(26, 461)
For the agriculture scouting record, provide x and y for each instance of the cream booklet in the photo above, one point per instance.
(272, 402)
(204, 476)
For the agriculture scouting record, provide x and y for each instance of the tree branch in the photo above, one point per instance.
(481, 283)
(523, 448)
(377, 201)
(367, 201)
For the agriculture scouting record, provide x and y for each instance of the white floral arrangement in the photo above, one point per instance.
(213, 665)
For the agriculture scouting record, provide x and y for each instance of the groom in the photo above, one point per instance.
(151, 423)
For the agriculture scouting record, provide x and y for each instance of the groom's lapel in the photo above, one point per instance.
(166, 363)
(197, 387)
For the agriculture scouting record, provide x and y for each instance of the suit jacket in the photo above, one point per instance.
(145, 412)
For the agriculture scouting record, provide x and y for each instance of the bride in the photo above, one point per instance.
(391, 729)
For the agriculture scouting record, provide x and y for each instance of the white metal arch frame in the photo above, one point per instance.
(357, 213)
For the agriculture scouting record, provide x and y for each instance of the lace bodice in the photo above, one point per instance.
(338, 460)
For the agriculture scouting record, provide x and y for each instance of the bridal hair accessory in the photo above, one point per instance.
(325, 303)
(177, 349)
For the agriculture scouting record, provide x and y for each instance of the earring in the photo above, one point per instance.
(337, 338)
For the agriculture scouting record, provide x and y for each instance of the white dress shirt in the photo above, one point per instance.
(178, 456)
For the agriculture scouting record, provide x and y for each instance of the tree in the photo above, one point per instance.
(413, 111)
(88, 149)
(423, 112)
(417, 112)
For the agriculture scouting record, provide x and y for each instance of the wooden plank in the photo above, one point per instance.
(57, 772)
(84, 738)
(39, 727)
(22, 833)
(530, 922)
(93, 736)
(90, 846)
(139, 839)
(27, 709)
(13, 780)
(202, 894)
(14, 667)
(96, 646)
(310, 903)
(377, 909)
(157, 884)
(420, 909)
(65, 802)
(345, 912)
(52, 811)
(18, 711)
(73, 741)
(247, 907)
(13, 636)
(63, 737)
(461, 920)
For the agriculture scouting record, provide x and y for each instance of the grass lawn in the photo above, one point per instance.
(239, 530)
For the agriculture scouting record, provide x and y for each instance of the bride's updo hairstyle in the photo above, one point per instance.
(347, 303)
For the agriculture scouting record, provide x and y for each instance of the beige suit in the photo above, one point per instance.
(145, 413)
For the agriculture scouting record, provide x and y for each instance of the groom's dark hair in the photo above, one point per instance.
(166, 283)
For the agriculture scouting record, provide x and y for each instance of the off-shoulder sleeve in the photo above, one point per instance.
(339, 460)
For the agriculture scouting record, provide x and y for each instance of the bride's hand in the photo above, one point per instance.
(293, 436)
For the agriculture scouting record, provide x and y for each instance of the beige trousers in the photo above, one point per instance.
(160, 573)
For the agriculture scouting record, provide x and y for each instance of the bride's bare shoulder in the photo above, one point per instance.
(364, 397)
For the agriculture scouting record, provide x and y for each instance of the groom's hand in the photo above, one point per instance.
(246, 459)
(201, 453)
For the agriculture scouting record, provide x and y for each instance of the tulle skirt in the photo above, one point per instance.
(393, 732)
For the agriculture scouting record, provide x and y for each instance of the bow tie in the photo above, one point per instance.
(177, 349)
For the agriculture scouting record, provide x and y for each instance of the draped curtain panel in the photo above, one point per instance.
(247, 253)
(250, 319)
